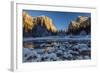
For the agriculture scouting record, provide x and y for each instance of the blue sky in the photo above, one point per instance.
(60, 19)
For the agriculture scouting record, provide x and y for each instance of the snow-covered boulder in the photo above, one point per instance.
(86, 57)
(69, 57)
(53, 56)
(39, 51)
(81, 46)
(74, 53)
(80, 57)
(44, 57)
(30, 55)
(59, 53)
(51, 49)
(70, 51)
(27, 53)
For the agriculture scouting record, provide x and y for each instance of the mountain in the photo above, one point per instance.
(44, 21)
(37, 26)
(40, 26)
(80, 25)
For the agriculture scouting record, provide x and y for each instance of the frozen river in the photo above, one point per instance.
(57, 38)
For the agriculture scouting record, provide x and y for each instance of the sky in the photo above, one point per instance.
(61, 20)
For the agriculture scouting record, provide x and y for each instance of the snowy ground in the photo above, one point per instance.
(58, 51)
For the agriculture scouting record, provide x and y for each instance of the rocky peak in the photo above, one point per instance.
(29, 22)
(82, 23)
(81, 18)
(43, 23)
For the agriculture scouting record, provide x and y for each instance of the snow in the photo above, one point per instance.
(59, 51)
(86, 57)
(27, 53)
(53, 56)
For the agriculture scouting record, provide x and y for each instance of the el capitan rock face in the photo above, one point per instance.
(81, 24)
(37, 26)
(44, 21)
(27, 21)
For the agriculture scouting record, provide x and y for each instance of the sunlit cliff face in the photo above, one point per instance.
(29, 22)
(81, 23)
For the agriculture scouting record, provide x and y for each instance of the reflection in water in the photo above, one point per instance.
(28, 45)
